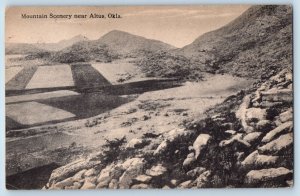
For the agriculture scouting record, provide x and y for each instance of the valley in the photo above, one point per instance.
(124, 111)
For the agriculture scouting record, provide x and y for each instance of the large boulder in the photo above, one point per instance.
(252, 137)
(189, 160)
(88, 185)
(72, 168)
(203, 179)
(200, 143)
(271, 174)
(278, 95)
(278, 145)
(255, 115)
(135, 142)
(162, 147)
(286, 116)
(134, 167)
(283, 128)
(235, 140)
(104, 177)
(255, 160)
(157, 170)
(143, 178)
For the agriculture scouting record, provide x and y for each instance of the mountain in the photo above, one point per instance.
(256, 44)
(35, 48)
(113, 45)
(21, 48)
(61, 44)
(126, 43)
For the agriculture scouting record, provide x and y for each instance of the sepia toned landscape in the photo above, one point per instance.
(207, 104)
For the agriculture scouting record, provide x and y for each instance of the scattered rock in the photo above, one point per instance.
(104, 177)
(143, 178)
(252, 137)
(174, 182)
(241, 112)
(145, 117)
(185, 185)
(286, 116)
(264, 125)
(140, 186)
(162, 147)
(90, 172)
(72, 168)
(175, 133)
(276, 146)
(277, 131)
(189, 160)
(263, 175)
(78, 176)
(135, 142)
(231, 132)
(76, 185)
(255, 160)
(275, 95)
(200, 143)
(195, 172)
(290, 183)
(236, 139)
(202, 180)
(255, 115)
(157, 170)
(64, 183)
(88, 185)
(134, 169)
(113, 184)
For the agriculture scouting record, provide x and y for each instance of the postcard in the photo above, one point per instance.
(149, 97)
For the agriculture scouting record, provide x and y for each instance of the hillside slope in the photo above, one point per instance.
(113, 45)
(246, 141)
(256, 44)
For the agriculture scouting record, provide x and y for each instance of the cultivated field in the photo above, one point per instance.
(21, 79)
(11, 72)
(30, 113)
(85, 76)
(37, 96)
(51, 76)
(119, 71)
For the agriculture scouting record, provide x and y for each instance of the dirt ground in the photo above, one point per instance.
(150, 112)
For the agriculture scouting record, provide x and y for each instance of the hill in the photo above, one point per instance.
(36, 48)
(61, 44)
(21, 48)
(113, 45)
(256, 44)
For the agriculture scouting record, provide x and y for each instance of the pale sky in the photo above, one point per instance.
(175, 25)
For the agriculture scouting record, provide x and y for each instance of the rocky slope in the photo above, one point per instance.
(247, 141)
(256, 44)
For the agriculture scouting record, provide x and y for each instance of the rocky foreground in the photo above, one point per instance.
(247, 141)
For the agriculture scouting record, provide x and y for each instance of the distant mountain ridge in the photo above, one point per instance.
(33, 48)
(61, 44)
